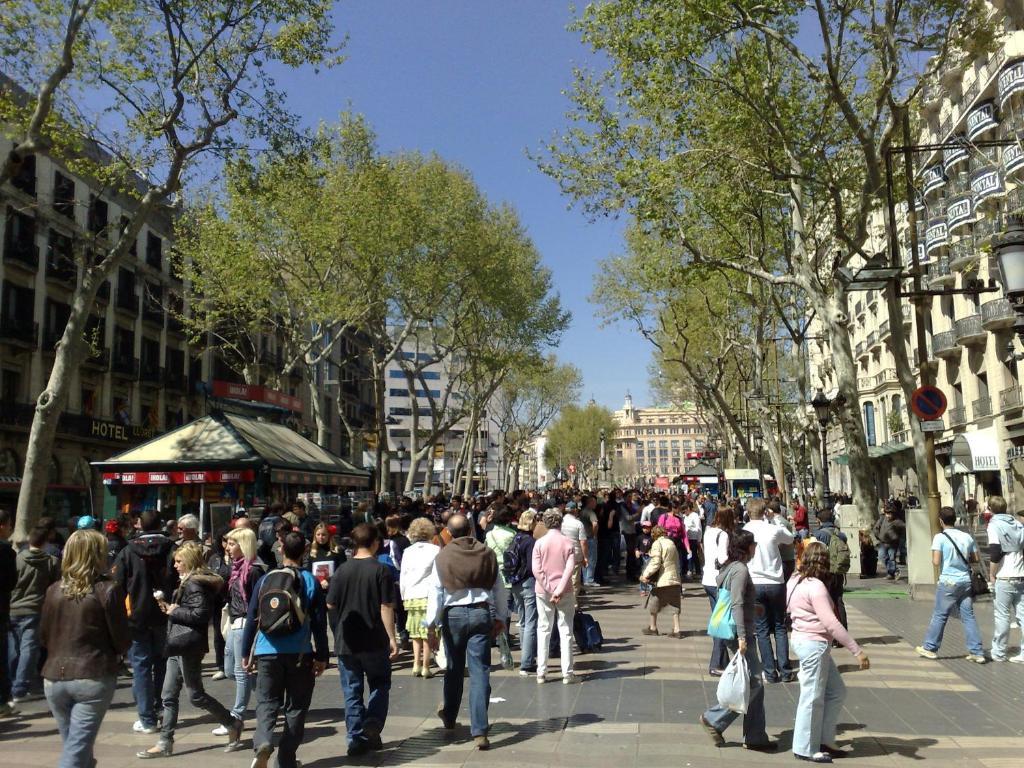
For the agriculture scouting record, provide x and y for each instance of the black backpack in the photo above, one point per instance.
(515, 568)
(281, 609)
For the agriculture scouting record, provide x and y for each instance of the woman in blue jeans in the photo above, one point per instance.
(246, 570)
(84, 629)
(735, 577)
(815, 626)
(953, 551)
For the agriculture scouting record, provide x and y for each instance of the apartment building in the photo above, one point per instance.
(965, 192)
(654, 441)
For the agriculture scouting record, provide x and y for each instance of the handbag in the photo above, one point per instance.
(225, 621)
(721, 625)
(180, 638)
(979, 584)
(734, 685)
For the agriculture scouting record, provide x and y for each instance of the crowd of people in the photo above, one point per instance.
(440, 579)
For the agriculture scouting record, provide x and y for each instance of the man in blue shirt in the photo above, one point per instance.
(953, 551)
(286, 665)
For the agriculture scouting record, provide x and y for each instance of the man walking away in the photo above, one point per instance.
(8, 578)
(36, 572)
(287, 621)
(362, 592)
(770, 592)
(828, 533)
(1006, 569)
(887, 532)
(146, 566)
(469, 603)
(518, 570)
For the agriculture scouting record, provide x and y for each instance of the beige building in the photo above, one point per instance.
(966, 193)
(654, 442)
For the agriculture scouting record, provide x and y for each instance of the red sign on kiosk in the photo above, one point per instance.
(180, 478)
(257, 394)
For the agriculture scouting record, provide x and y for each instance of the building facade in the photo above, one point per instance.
(653, 442)
(966, 190)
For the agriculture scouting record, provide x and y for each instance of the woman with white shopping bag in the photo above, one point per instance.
(815, 626)
(735, 586)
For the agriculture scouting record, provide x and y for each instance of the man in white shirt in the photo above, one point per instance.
(574, 530)
(770, 590)
(1006, 570)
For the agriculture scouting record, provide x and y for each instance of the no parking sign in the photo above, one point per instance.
(928, 403)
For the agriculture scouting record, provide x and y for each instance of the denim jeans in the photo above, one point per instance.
(375, 668)
(887, 554)
(284, 683)
(771, 620)
(947, 598)
(149, 665)
(588, 576)
(78, 707)
(526, 608)
(548, 615)
(188, 669)
(821, 697)
(23, 653)
(234, 667)
(719, 653)
(1008, 600)
(467, 638)
(721, 718)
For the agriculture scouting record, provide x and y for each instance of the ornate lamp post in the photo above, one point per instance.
(823, 411)
(401, 453)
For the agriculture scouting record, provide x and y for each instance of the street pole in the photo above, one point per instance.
(781, 480)
(826, 491)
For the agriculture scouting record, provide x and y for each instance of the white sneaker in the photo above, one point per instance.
(1017, 659)
(220, 730)
(525, 673)
(569, 679)
(138, 727)
(219, 675)
(541, 679)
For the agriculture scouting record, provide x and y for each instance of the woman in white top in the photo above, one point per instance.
(716, 546)
(694, 529)
(417, 565)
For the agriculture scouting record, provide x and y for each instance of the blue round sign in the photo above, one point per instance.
(928, 403)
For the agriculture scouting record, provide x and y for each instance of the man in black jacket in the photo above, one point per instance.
(145, 567)
(8, 578)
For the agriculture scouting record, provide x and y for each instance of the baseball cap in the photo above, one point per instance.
(86, 522)
(572, 505)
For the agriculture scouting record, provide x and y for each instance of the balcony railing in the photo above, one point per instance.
(908, 314)
(885, 377)
(997, 314)
(23, 252)
(962, 254)
(969, 331)
(938, 272)
(19, 331)
(174, 379)
(957, 416)
(125, 366)
(984, 229)
(883, 330)
(150, 373)
(982, 407)
(873, 340)
(127, 301)
(858, 308)
(99, 359)
(1010, 398)
(860, 350)
(944, 344)
(152, 313)
(62, 270)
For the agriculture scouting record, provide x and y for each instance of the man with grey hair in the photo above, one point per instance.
(1006, 574)
(554, 563)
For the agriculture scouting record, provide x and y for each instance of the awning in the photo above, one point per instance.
(976, 451)
(702, 470)
(735, 473)
(874, 452)
(227, 441)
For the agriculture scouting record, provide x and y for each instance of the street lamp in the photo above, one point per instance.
(823, 410)
(759, 444)
(401, 453)
(1010, 252)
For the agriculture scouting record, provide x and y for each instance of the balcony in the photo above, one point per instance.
(997, 314)
(985, 230)
(969, 330)
(174, 379)
(22, 253)
(98, 360)
(908, 314)
(860, 350)
(62, 270)
(962, 254)
(125, 367)
(153, 314)
(874, 340)
(982, 407)
(887, 376)
(127, 301)
(944, 345)
(957, 416)
(939, 274)
(858, 309)
(865, 383)
(883, 330)
(1010, 398)
(19, 332)
(151, 374)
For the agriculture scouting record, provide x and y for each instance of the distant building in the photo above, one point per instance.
(653, 442)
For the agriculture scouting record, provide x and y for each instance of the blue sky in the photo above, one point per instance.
(480, 83)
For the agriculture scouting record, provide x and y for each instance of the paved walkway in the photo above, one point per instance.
(637, 705)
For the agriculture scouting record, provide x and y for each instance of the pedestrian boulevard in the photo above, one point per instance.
(637, 704)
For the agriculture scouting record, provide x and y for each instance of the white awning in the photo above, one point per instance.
(741, 474)
(976, 451)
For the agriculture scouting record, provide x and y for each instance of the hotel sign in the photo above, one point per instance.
(981, 120)
(936, 236)
(987, 182)
(959, 211)
(933, 178)
(1011, 80)
(953, 156)
(1013, 157)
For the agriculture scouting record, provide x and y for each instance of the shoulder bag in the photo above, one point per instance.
(979, 584)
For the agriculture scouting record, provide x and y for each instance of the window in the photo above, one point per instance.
(154, 250)
(20, 237)
(122, 225)
(88, 401)
(25, 178)
(56, 318)
(150, 356)
(18, 304)
(99, 211)
(398, 393)
(400, 411)
(124, 343)
(698, 444)
(126, 298)
(394, 373)
(63, 195)
(10, 385)
(869, 423)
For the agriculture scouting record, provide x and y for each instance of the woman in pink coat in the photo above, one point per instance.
(554, 558)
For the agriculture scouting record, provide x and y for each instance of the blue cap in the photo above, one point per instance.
(86, 522)
(572, 505)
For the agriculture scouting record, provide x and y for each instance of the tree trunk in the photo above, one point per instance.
(317, 407)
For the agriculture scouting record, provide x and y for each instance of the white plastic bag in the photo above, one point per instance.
(734, 685)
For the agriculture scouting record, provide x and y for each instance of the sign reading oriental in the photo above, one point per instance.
(179, 478)
(258, 394)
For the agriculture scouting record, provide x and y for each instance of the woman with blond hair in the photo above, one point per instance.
(187, 617)
(84, 629)
(662, 571)
(246, 570)
(324, 548)
(414, 585)
(815, 626)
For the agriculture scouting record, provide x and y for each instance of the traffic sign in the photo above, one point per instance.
(572, 469)
(928, 403)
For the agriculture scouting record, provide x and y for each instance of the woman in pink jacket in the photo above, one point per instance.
(815, 626)
(554, 558)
